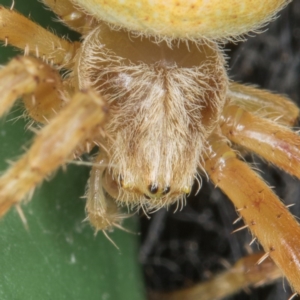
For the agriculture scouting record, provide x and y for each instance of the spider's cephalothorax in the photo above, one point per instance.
(149, 88)
(163, 107)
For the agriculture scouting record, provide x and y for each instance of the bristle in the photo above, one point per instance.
(241, 228)
(263, 258)
(22, 216)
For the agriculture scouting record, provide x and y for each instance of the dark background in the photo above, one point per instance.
(179, 249)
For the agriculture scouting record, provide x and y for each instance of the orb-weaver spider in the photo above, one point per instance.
(151, 149)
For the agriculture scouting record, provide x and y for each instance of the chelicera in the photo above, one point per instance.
(148, 86)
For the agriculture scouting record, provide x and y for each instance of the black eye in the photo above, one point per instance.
(153, 188)
(166, 190)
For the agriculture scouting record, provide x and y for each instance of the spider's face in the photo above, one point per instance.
(164, 103)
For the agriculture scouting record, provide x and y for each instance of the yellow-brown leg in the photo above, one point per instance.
(42, 90)
(34, 39)
(71, 16)
(243, 274)
(267, 218)
(277, 144)
(102, 210)
(54, 144)
(40, 85)
(263, 103)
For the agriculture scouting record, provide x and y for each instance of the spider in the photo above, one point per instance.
(151, 91)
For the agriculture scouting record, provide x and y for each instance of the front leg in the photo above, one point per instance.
(54, 144)
(39, 84)
(102, 210)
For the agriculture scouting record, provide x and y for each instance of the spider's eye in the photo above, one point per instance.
(166, 190)
(153, 188)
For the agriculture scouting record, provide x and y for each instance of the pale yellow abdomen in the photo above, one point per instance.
(191, 19)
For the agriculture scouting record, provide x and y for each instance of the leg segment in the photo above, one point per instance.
(20, 32)
(264, 104)
(71, 16)
(42, 90)
(38, 82)
(243, 274)
(102, 210)
(268, 219)
(79, 120)
(274, 142)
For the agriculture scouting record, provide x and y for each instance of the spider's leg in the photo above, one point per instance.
(243, 274)
(39, 84)
(263, 103)
(42, 90)
(71, 16)
(275, 143)
(102, 210)
(34, 39)
(54, 144)
(264, 214)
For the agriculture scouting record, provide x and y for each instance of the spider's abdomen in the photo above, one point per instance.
(185, 19)
(163, 103)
